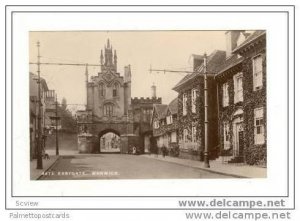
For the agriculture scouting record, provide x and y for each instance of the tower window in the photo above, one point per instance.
(109, 109)
(102, 90)
(115, 90)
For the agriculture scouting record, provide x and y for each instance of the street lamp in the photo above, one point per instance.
(39, 147)
(206, 157)
(56, 118)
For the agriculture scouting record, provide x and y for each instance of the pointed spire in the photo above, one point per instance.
(101, 57)
(108, 44)
(86, 73)
(115, 59)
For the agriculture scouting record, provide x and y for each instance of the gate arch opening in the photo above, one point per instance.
(109, 141)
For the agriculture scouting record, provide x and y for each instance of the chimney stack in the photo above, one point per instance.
(153, 91)
(231, 41)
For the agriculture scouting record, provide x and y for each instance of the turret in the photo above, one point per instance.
(127, 89)
(115, 60)
(101, 57)
(108, 54)
(127, 74)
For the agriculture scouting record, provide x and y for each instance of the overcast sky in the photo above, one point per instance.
(140, 49)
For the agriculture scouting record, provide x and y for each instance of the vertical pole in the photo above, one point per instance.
(86, 84)
(56, 121)
(206, 157)
(39, 147)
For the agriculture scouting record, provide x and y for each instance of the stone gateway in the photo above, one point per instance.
(110, 108)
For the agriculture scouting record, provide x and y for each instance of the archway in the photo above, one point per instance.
(109, 141)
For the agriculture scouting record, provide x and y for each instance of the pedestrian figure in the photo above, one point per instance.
(164, 151)
(133, 150)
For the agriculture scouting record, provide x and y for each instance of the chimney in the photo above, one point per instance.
(231, 41)
(197, 61)
(153, 91)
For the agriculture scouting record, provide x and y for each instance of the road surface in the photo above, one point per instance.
(121, 166)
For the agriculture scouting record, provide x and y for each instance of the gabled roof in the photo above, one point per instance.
(160, 110)
(213, 61)
(255, 35)
(173, 106)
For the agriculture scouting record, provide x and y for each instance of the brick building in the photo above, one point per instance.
(242, 98)
(191, 108)
(34, 111)
(165, 127)
(142, 109)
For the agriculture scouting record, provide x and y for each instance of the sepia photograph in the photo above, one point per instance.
(161, 112)
(147, 104)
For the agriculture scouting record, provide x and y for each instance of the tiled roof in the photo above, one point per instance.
(213, 61)
(250, 39)
(173, 106)
(43, 81)
(161, 110)
(229, 63)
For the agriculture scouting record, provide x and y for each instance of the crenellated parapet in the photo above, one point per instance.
(146, 100)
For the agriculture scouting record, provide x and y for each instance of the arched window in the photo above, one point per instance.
(109, 109)
(102, 90)
(115, 90)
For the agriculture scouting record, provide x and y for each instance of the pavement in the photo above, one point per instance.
(235, 170)
(35, 174)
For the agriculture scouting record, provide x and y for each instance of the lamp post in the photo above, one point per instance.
(56, 118)
(206, 157)
(39, 147)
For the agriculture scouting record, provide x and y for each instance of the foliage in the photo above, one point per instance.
(174, 151)
(68, 122)
(254, 154)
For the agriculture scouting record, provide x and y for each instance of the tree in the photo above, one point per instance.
(68, 122)
(64, 103)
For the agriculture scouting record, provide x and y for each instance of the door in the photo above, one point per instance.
(238, 138)
(241, 143)
(147, 144)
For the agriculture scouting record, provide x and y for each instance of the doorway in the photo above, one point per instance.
(238, 137)
(109, 143)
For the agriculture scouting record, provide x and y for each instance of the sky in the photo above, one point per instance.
(141, 49)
